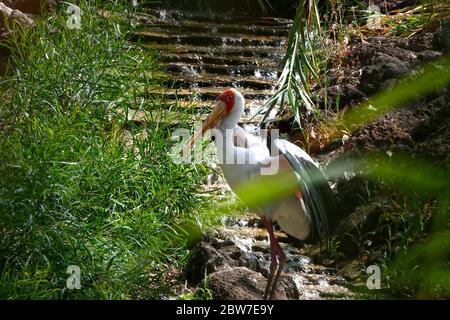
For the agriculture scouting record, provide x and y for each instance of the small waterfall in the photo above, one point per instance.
(203, 54)
(274, 8)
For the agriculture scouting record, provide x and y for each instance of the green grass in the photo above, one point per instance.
(420, 266)
(73, 189)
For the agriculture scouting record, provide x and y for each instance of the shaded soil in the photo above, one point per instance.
(376, 65)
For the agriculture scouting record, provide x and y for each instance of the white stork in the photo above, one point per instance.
(305, 213)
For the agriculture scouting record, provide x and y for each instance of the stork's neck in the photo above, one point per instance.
(224, 135)
(229, 122)
(224, 138)
(226, 128)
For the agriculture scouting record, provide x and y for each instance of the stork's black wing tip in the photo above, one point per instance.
(318, 197)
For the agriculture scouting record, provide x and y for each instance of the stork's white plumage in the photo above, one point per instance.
(302, 213)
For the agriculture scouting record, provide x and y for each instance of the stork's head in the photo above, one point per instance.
(234, 107)
(225, 114)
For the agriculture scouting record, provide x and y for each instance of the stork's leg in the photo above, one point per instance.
(273, 257)
(275, 251)
(281, 263)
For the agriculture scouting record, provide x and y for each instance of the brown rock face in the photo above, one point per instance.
(31, 6)
(22, 12)
(14, 15)
(241, 283)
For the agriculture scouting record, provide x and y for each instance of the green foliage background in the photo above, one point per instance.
(80, 185)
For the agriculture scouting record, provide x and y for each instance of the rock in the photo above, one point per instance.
(386, 6)
(351, 193)
(218, 243)
(441, 39)
(406, 3)
(236, 284)
(14, 15)
(242, 283)
(366, 228)
(329, 259)
(428, 55)
(350, 269)
(218, 255)
(364, 219)
(255, 223)
(256, 261)
(420, 42)
(347, 94)
(206, 259)
(403, 129)
(36, 7)
(432, 134)
(260, 248)
(384, 47)
(384, 67)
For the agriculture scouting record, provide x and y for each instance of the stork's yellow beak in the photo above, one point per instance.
(219, 111)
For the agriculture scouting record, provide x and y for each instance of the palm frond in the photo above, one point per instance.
(264, 4)
(293, 86)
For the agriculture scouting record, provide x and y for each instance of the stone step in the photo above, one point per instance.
(204, 93)
(190, 27)
(190, 58)
(203, 55)
(176, 16)
(206, 105)
(142, 117)
(258, 52)
(196, 69)
(207, 39)
(211, 80)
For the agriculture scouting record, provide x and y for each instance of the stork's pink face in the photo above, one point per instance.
(223, 106)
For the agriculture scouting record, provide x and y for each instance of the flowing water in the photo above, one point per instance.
(202, 55)
(312, 280)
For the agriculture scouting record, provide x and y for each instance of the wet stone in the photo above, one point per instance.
(428, 55)
(237, 266)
